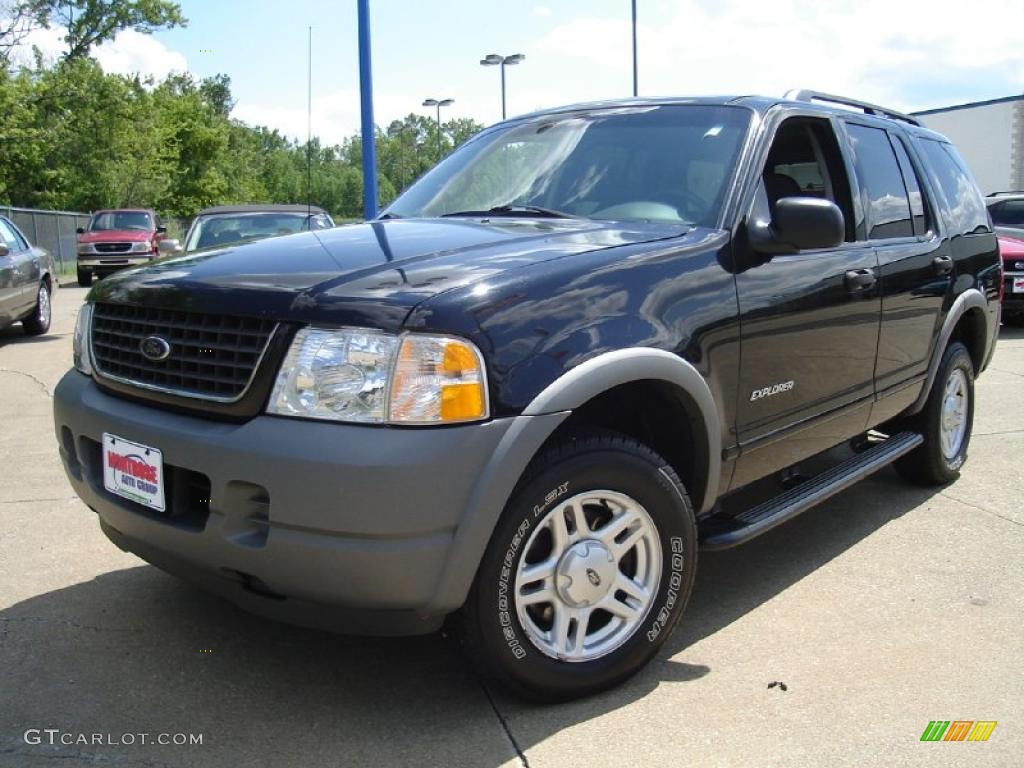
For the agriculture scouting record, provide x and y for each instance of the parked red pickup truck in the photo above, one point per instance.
(116, 239)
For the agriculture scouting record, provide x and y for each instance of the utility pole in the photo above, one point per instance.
(366, 111)
(634, 50)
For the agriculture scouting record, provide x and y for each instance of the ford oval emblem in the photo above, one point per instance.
(155, 348)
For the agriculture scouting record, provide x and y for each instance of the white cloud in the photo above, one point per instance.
(541, 10)
(132, 52)
(129, 53)
(877, 50)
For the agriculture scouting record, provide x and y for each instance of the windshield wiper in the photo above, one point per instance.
(510, 209)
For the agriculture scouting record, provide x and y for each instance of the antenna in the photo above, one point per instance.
(309, 130)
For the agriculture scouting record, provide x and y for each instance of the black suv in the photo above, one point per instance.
(527, 394)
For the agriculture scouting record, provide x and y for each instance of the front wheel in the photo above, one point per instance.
(945, 422)
(587, 573)
(39, 321)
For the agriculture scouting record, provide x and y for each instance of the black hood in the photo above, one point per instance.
(363, 274)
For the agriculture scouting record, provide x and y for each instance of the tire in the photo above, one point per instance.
(84, 278)
(935, 462)
(604, 476)
(39, 321)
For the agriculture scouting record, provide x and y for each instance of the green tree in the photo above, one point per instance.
(92, 22)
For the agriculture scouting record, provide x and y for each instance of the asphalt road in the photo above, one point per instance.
(881, 610)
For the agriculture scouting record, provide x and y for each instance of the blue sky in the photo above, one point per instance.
(908, 54)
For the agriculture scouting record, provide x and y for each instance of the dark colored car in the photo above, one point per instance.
(117, 239)
(532, 390)
(1007, 211)
(27, 281)
(1012, 251)
(233, 224)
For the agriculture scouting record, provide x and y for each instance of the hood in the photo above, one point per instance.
(1011, 249)
(363, 274)
(116, 236)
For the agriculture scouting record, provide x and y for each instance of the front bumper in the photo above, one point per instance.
(1013, 303)
(340, 526)
(112, 262)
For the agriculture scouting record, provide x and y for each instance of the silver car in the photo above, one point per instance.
(27, 281)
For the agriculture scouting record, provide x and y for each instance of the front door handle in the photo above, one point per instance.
(942, 265)
(858, 280)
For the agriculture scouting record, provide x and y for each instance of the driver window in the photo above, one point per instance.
(804, 161)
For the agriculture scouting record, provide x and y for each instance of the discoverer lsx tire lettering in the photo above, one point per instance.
(587, 572)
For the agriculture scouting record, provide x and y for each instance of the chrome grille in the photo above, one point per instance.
(212, 356)
(112, 247)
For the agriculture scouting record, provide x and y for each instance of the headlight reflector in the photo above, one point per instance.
(80, 341)
(366, 376)
(340, 375)
(141, 247)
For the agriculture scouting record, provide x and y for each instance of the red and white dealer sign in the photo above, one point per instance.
(134, 471)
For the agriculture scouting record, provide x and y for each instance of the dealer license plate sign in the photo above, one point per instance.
(134, 471)
(1018, 285)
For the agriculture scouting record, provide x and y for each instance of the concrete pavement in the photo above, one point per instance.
(885, 608)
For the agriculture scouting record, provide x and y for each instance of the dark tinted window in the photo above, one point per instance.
(918, 208)
(881, 183)
(1008, 214)
(962, 196)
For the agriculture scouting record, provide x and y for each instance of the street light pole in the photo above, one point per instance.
(492, 60)
(634, 50)
(438, 104)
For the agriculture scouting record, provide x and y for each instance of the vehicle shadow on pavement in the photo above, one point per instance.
(1010, 333)
(136, 651)
(14, 335)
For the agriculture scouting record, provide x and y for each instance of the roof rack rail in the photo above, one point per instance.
(798, 94)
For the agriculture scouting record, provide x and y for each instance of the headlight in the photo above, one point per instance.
(85, 248)
(371, 377)
(80, 344)
(141, 247)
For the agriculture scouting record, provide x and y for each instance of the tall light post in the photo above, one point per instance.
(634, 50)
(438, 104)
(493, 60)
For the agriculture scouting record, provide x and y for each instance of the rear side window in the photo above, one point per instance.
(881, 182)
(1008, 214)
(918, 209)
(948, 170)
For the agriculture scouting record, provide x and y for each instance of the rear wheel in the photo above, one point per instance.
(945, 422)
(587, 572)
(39, 321)
(84, 278)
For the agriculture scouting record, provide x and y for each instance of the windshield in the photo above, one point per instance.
(664, 163)
(113, 220)
(212, 231)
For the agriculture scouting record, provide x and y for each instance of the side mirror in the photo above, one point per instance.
(4, 250)
(799, 224)
(80, 231)
(168, 246)
(161, 230)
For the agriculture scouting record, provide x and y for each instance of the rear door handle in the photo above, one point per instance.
(943, 265)
(858, 280)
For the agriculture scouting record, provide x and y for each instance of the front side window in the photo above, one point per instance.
(9, 237)
(804, 161)
(950, 174)
(109, 221)
(881, 182)
(656, 163)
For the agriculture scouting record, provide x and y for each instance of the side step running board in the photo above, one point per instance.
(788, 505)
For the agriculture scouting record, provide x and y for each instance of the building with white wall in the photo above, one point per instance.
(989, 135)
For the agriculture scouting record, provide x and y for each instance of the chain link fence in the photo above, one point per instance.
(52, 230)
